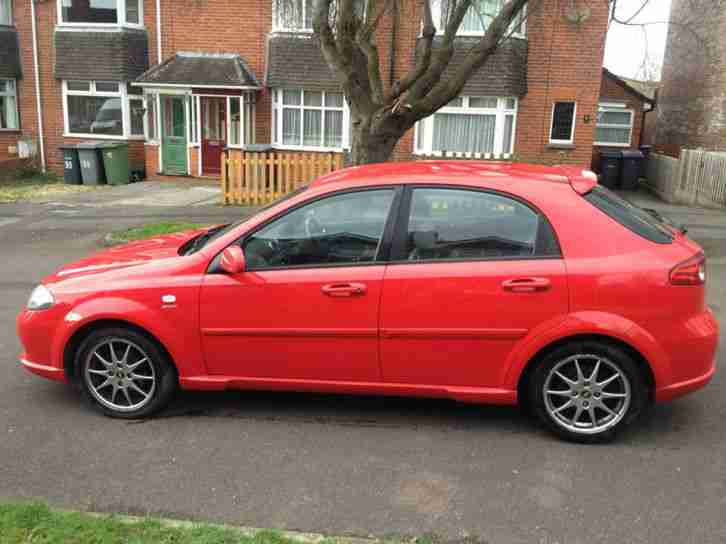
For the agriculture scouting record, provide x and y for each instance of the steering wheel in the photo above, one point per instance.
(313, 227)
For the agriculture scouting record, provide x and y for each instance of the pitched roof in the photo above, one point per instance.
(645, 90)
(10, 66)
(201, 69)
(295, 60)
(116, 55)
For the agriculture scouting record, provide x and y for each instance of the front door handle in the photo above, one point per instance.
(344, 289)
(526, 285)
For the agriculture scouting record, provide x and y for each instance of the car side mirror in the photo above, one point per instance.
(233, 260)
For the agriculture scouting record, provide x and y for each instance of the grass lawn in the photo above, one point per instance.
(34, 523)
(148, 231)
(36, 186)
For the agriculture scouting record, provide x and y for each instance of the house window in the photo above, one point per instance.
(151, 121)
(614, 125)
(100, 12)
(309, 119)
(102, 109)
(471, 125)
(8, 105)
(478, 17)
(297, 15)
(6, 12)
(562, 130)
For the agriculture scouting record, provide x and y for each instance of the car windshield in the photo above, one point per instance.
(198, 242)
(642, 222)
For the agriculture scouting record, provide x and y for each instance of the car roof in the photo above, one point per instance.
(447, 171)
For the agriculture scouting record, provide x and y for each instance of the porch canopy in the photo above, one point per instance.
(201, 71)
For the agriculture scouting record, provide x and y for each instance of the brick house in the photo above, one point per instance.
(691, 108)
(179, 80)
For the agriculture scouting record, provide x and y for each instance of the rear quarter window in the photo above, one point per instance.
(631, 217)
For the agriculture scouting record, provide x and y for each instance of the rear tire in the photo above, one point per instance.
(588, 391)
(124, 374)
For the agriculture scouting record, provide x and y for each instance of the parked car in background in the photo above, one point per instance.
(482, 282)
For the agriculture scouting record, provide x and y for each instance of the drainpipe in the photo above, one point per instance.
(37, 88)
(158, 31)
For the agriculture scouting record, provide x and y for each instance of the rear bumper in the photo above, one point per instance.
(49, 372)
(675, 390)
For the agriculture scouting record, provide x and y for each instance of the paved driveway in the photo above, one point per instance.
(344, 464)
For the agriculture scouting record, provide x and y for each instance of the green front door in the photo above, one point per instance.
(174, 135)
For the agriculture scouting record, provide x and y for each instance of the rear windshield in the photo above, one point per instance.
(636, 219)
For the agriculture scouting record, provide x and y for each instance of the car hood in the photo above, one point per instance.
(128, 255)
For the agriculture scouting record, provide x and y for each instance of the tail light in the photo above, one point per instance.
(690, 272)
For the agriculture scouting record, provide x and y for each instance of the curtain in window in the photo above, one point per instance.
(290, 126)
(464, 133)
(333, 129)
(235, 120)
(312, 129)
(508, 128)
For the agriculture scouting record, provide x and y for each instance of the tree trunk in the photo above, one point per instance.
(373, 142)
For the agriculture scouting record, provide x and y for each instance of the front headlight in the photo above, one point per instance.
(40, 299)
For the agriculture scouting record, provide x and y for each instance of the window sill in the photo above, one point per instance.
(97, 26)
(9, 130)
(562, 146)
(308, 148)
(304, 31)
(600, 144)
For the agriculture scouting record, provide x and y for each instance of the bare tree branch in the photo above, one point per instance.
(423, 60)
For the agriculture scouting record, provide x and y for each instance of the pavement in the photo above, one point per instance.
(347, 465)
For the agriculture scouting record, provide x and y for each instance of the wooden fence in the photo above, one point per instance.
(257, 178)
(696, 177)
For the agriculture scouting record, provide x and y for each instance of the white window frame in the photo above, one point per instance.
(121, 16)
(572, 128)
(7, 5)
(437, 14)
(501, 112)
(277, 109)
(149, 98)
(617, 107)
(276, 27)
(14, 94)
(122, 93)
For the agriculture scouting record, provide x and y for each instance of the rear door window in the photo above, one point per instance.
(631, 217)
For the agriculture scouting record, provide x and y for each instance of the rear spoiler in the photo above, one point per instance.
(581, 180)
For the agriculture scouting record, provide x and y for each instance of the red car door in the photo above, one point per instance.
(307, 306)
(473, 273)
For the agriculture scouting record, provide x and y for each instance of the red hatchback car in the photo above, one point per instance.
(481, 282)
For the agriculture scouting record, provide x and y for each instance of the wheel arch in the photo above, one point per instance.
(641, 361)
(74, 342)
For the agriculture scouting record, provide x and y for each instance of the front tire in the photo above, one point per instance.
(587, 391)
(124, 374)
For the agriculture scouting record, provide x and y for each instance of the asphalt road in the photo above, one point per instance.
(346, 465)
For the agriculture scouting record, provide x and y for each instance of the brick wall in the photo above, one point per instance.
(564, 63)
(691, 108)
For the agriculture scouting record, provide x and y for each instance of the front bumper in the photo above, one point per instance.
(49, 372)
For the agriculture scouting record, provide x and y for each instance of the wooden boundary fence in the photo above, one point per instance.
(697, 177)
(257, 178)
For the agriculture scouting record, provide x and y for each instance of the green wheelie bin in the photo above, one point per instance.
(116, 163)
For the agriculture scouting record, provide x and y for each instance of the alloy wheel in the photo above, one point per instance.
(120, 375)
(586, 394)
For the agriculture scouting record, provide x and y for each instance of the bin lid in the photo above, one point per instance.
(632, 154)
(610, 154)
(90, 145)
(112, 145)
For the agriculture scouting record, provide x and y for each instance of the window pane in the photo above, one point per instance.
(562, 121)
(312, 129)
(478, 102)
(78, 86)
(334, 100)
(291, 97)
(612, 135)
(133, 11)
(95, 115)
(8, 112)
(105, 87)
(510, 103)
(337, 230)
(464, 133)
(313, 98)
(455, 224)
(457, 102)
(6, 15)
(289, 13)
(309, 12)
(136, 112)
(333, 129)
(508, 128)
(89, 11)
(151, 116)
(290, 126)
(613, 117)
(235, 124)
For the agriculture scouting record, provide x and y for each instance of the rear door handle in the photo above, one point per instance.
(344, 289)
(526, 285)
